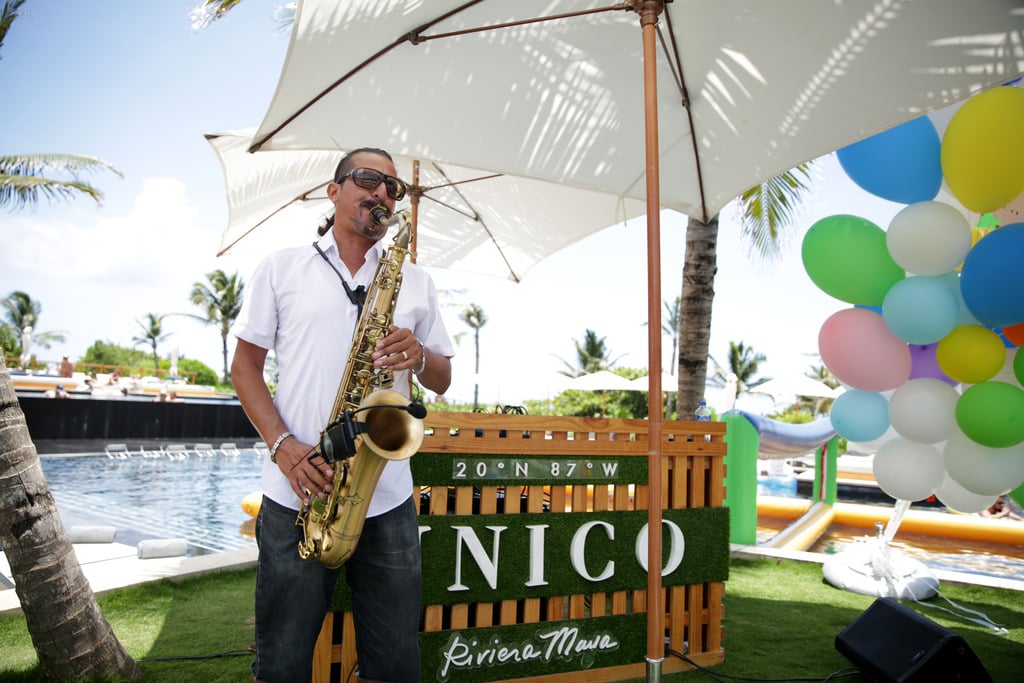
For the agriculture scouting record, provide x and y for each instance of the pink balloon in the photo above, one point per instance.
(857, 346)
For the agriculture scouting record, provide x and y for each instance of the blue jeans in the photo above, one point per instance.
(293, 595)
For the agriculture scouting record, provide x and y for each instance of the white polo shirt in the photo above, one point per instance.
(296, 306)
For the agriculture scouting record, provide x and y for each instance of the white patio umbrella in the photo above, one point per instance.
(795, 385)
(668, 382)
(467, 219)
(602, 380)
(748, 89)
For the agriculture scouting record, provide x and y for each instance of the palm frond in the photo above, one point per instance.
(26, 178)
(767, 208)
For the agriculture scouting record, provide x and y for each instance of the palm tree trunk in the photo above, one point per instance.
(71, 636)
(224, 354)
(699, 269)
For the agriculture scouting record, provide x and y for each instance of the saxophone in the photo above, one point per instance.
(367, 414)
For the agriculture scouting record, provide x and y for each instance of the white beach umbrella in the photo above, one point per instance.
(602, 380)
(795, 385)
(585, 94)
(465, 219)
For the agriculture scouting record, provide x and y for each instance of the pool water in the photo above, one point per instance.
(160, 495)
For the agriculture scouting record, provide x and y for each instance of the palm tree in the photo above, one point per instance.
(475, 318)
(743, 362)
(21, 313)
(221, 297)
(73, 639)
(765, 211)
(591, 356)
(24, 177)
(153, 334)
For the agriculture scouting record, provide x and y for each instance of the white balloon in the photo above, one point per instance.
(924, 410)
(982, 470)
(907, 470)
(870, 447)
(928, 238)
(956, 497)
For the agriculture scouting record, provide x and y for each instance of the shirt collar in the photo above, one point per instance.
(330, 247)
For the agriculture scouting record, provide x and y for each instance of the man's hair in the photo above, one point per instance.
(344, 166)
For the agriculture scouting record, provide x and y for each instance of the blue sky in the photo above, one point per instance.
(131, 83)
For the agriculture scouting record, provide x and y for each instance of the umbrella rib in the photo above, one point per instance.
(301, 197)
(411, 37)
(416, 37)
(676, 64)
(478, 218)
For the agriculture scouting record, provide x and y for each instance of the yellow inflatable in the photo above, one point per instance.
(251, 503)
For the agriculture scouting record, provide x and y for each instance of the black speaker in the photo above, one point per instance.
(891, 643)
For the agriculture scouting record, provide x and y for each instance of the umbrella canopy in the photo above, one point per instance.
(602, 380)
(468, 219)
(795, 385)
(747, 89)
(668, 382)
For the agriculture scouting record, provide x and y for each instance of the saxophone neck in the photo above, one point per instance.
(404, 235)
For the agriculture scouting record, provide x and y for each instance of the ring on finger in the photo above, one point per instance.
(405, 355)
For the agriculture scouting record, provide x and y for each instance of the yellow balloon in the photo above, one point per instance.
(983, 150)
(970, 354)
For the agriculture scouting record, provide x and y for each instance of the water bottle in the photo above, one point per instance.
(703, 414)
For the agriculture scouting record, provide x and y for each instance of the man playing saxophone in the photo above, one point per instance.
(304, 303)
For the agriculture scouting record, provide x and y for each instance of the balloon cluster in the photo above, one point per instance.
(928, 351)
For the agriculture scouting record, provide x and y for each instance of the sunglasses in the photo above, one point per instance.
(369, 179)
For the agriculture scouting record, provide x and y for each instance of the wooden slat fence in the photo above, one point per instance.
(692, 476)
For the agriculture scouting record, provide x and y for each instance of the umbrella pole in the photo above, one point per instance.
(649, 11)
(414, 208)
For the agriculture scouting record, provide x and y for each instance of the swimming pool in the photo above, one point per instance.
(174, 492)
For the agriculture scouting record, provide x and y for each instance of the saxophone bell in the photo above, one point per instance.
(338, 440)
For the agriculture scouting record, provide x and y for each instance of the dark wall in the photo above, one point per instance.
(72, 418)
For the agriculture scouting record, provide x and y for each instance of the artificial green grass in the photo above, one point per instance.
(781, 620)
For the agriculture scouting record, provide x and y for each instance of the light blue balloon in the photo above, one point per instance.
(859, 415)
(902, 164)
(952, 280)
(920, 309)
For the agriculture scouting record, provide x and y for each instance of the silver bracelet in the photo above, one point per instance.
(423, 358)
(277, 444)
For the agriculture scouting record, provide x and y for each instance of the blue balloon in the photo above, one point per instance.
(859, 415)
(902, 164)
(992, 277)
(920, 309)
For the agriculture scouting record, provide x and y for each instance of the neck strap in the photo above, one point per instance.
(357, 297)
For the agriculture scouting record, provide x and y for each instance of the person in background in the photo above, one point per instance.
(57, 392)
(293, 293)
(67, 368)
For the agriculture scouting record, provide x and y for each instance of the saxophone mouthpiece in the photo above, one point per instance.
(379, 215)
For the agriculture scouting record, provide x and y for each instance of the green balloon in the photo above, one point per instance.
(846, 257)
(1018, 366)
(992, 414)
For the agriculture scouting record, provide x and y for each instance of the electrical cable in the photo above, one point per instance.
(238, 653)
(846, 671)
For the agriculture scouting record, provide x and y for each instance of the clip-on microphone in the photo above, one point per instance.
(338, 440)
